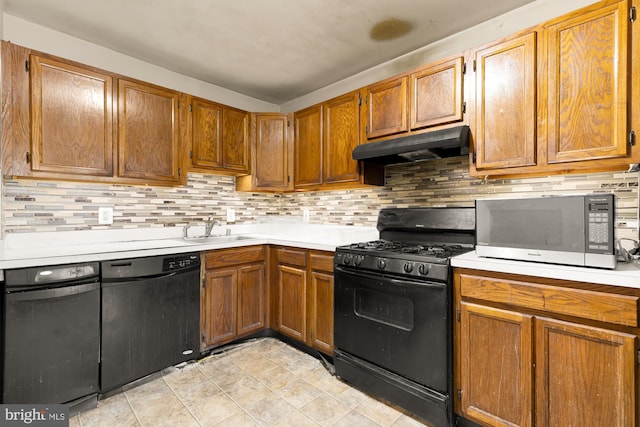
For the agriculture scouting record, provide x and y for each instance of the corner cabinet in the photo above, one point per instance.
(540, 352)
(559, 98)
(218, 139)
(303, 296)
(325, 136)
(233, 295)
(271, 159)
(308, 147)
(148, 132)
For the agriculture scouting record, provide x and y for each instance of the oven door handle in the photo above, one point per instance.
(389, 278)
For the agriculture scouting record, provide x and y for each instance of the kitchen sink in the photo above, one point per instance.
(216, 239)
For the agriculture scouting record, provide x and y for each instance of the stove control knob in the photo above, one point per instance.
(407, 267)
(358, 260)
(423, 269)
(347, 259)
(382, 264)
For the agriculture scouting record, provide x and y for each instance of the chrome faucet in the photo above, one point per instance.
(209, 226)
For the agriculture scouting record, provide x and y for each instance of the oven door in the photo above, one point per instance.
(399, 324)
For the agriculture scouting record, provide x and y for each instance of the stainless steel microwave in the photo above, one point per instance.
(573, 230)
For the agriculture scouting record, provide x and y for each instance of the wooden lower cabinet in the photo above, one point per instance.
(233, 298)
(303, 295)
(536, 352)
(292, 307)
(584, 374)
(496, 349)
(321, 304)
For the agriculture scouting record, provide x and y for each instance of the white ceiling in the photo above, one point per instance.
(272, 50)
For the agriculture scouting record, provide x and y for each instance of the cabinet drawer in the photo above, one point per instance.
(600, 306)
(233, 256)
(322, 262)
(292, 257)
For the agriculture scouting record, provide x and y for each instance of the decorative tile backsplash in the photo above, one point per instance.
(30, 205)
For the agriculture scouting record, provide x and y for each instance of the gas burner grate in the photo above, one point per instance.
(377, 245)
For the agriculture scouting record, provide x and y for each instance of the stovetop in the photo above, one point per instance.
(435, 252)
(414, 242)
(416, 260)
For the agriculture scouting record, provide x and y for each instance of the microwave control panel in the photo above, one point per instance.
(600, 214)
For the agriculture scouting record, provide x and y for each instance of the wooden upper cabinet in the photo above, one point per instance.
(206, 138)
(272, 151)
(588, 69)
(219, 138)
(585, 376)
(71, 118)
(436, 94)
(341, 136)
(148, 132)
(308, 147)
(387, 104)
(235, 140)
(506, 103)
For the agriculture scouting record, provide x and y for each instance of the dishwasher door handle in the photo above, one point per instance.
(60, 292)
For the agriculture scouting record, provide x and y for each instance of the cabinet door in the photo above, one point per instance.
(219, 307)
(272, 152)
(387, 103)
(71, 119)
(292, 305)
(235, 140)
(251, 298)
(585, 376)
(436, 94)
(148, 134)
(341, 136)
(496, 351)
(322, 311)
(587, 85)
(206, 142)
(506, 104)
(308, 147)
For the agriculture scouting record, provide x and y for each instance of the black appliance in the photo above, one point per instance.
(51, 343)
(150, 316)
(392, 308)
(437, 144)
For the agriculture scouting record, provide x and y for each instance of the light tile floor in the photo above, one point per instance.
(262, 382)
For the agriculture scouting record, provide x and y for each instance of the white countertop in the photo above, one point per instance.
(625, 274)
(40, 249)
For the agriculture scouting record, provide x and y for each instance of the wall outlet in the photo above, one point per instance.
(105, 216)
(305, 215)
(231, 215)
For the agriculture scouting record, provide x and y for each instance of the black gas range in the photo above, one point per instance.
(426, 260)
(392, 315)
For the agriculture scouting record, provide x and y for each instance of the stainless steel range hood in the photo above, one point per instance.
(430, 145)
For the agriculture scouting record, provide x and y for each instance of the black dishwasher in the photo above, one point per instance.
(51, 339)
(150, 316)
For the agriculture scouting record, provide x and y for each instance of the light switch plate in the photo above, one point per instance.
(105, 215)
(231, 215)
